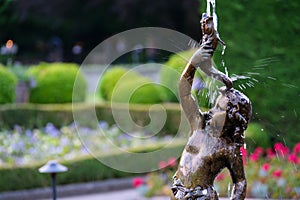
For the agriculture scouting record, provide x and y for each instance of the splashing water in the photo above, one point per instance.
(229, 190)
(215, 17)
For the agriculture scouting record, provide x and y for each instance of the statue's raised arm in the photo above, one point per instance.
(188, 103)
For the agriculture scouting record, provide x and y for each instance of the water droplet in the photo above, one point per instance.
(289, 85)
(245, 146)
(262, 129)
(223, 50)
(272, 78)
(229, 189)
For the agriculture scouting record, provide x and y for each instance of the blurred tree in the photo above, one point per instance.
(90, 22)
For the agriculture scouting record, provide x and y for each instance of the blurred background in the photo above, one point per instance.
(52, 31)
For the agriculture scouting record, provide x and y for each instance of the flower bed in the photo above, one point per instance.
(21, 146)
(23, 151)
(271, 173)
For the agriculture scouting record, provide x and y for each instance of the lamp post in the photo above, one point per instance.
(53, 167)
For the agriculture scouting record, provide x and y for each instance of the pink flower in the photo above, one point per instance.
(296, 148)
(162, 164)
(254, 157)
(136, 182)
(281, 149)
(293, 158)
(172, 162)
(288, 190)
(220, 177)
(266, 166)
(277, 173)
(259, 151)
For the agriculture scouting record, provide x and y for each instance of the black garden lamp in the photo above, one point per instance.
(53, 167)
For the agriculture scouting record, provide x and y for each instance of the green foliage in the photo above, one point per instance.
(263, 43)
(122, 85)
(37, 115)
(138, 91)
(81, 170)
(8, 83)
(53, 83)
(257, 136)
(111, 77)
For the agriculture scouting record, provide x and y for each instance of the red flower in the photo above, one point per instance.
(244, 154)
(259, 151)
(136, 182)
(293, 158)
(254, 157)
(162, 164)
(296, 148)
(266, 166)
(281, 149)
(277, 173)
(220, 177)
(172, 162)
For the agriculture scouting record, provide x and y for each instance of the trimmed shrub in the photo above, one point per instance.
(122, 85)
(110, 78)
(8, 83)
(38, 115)
(139, 91)
(53, 83)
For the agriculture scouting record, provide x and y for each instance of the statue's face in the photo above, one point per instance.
(207, 24)
(222, 102)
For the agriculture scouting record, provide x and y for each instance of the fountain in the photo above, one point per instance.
(217, 135)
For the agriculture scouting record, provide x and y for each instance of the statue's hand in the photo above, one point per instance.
(203, 55)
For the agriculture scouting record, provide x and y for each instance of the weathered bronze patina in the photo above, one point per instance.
(216, 135)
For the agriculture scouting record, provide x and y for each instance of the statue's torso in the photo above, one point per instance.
(203, 157)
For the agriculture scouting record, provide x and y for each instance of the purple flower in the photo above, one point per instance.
(103, 125)
(51, 130)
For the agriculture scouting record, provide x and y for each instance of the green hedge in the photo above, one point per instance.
(110, 79)
(53, 83)
(8, 83)
(85, 169)
(119, 84)
(38, 115)
(139, 91)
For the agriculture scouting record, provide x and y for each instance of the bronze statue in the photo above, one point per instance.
(216, 135)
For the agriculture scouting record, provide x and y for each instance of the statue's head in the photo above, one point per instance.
(239, 101)
(232, 112)
(207, 24)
